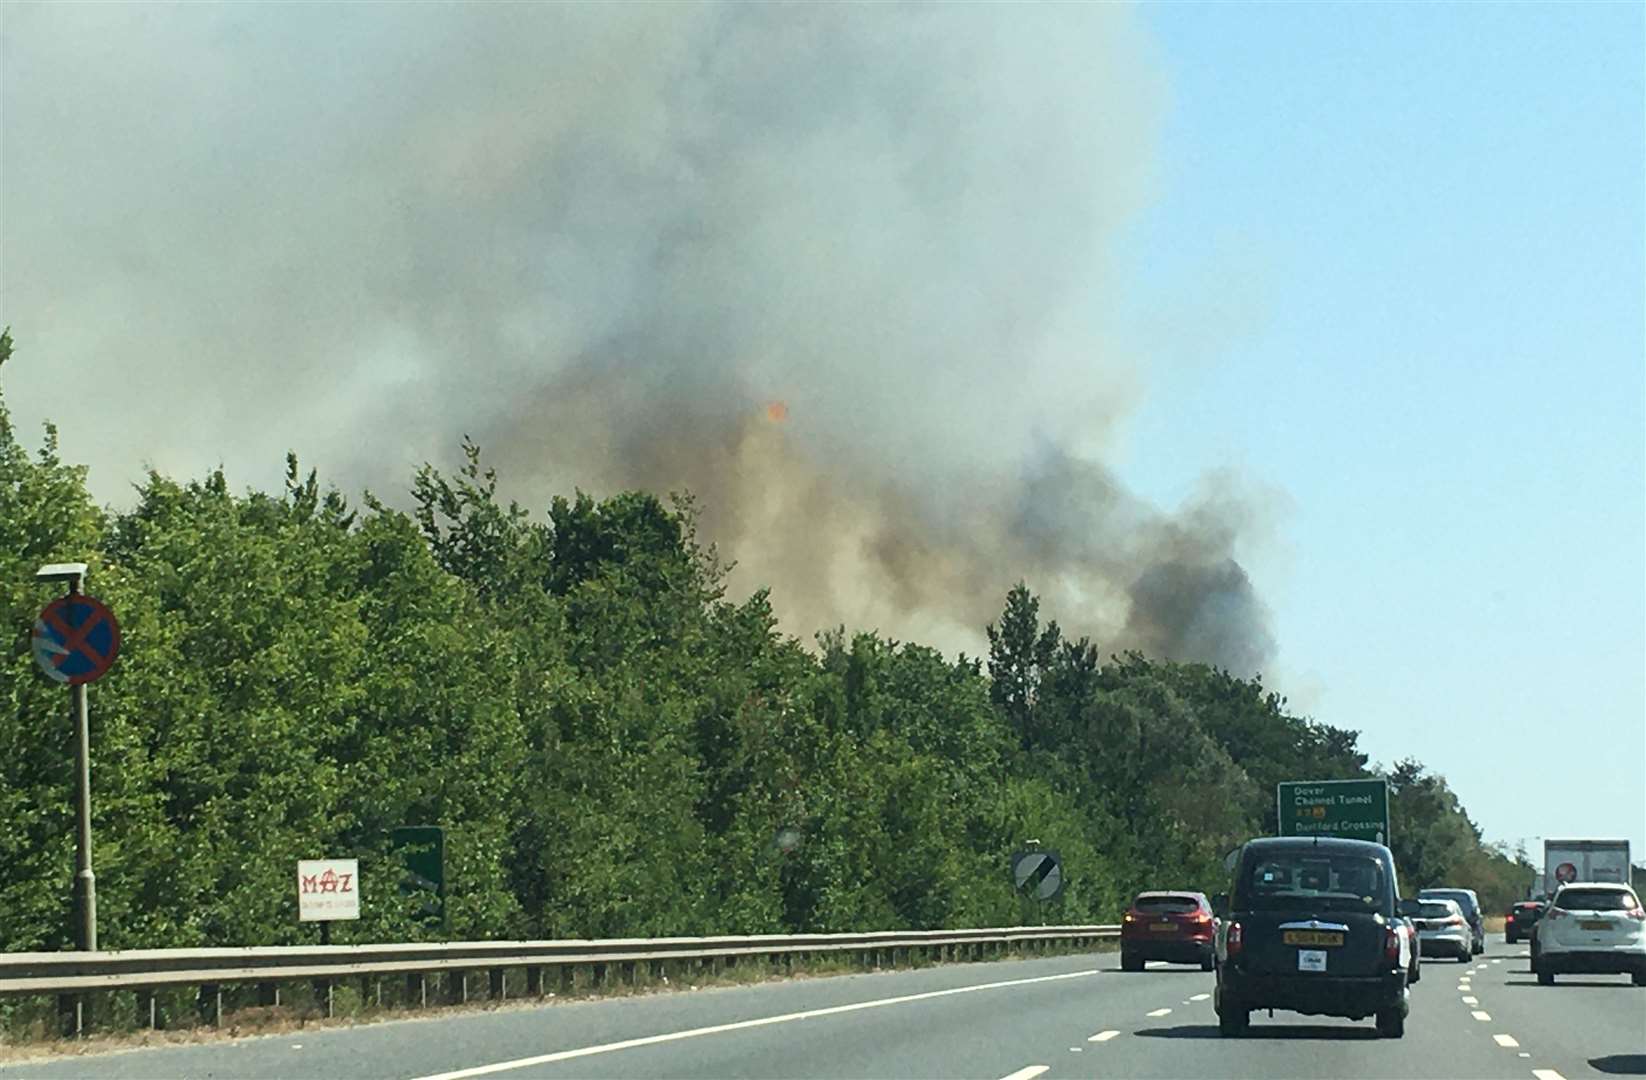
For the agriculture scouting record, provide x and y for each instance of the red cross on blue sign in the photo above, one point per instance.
(76, 639)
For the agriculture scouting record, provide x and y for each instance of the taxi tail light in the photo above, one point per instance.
(1235, 942)
(1391, 944)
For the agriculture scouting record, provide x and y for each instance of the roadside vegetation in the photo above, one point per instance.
(614, 745)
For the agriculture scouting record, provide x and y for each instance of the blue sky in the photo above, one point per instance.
(1420, 233)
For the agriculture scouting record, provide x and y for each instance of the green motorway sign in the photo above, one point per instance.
(1347, 809)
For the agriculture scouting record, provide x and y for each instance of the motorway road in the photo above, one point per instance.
(1064, 1017)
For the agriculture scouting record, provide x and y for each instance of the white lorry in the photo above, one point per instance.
(1565, 861)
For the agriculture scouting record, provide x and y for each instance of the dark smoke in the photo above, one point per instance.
(603, 239)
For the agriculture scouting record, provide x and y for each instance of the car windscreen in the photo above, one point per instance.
(1461, 898)
(1309, 879)
(1436, 909)
(1176, 905)
(1595, 900)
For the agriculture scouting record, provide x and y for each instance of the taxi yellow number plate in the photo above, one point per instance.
(1312, 937)
(1163, 926)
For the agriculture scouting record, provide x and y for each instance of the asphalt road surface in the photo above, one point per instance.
(1065, 1017)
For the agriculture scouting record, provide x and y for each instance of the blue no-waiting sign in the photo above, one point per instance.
(76, 639)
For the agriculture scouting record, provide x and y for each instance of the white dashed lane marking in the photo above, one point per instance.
(1200, 997)
(1507, 1041)
(1547, 1074)
(1103, 1036)
(1478, 1015)
(1158, 1012)
(1028, 1073)
(1471, 1001)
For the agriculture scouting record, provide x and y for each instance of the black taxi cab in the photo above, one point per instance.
(1313, 925)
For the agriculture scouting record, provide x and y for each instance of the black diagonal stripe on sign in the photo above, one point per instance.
(1038, 874)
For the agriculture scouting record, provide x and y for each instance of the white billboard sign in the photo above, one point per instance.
(328, 889)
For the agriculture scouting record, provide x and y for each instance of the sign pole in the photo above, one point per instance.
(85, 882)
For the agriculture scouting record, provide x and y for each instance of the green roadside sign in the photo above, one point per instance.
(421, 850)
(1345, 809)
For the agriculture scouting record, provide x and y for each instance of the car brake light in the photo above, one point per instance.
(1129, 917)
(1636, 912)
(1235, 942)
(1391, 944)
(1456, 920)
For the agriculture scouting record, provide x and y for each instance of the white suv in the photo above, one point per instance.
(1591, 927)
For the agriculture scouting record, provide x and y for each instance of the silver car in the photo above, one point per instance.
(1469, 903)
(1442, 930)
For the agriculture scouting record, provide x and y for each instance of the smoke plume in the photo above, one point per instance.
(843, 271)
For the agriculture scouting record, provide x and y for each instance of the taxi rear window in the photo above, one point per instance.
(1308, 878)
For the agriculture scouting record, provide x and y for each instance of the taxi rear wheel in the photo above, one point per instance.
(1391, 1023)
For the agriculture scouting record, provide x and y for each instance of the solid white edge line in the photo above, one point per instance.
(1027, 1073)
(741, 1025)
(1158, 1012)
(1479, 1015)
(1103, 1036)
(1506, 1041)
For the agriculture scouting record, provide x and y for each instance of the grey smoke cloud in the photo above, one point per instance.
(603, 240)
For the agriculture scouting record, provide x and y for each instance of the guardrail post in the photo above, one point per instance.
(417, 990)
(268, 993)
(568, 979)
(597, 976)
(497, 990)
(534, 981)
(71, 1015)
(210, 1002)
(146, 1009)
(627, 974)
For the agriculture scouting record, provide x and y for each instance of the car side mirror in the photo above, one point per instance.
(1408, 908)
(1220, 905)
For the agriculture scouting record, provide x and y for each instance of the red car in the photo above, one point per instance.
(1176, 927)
